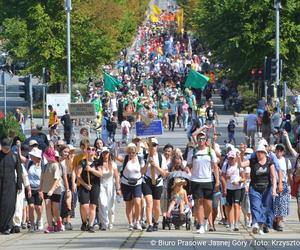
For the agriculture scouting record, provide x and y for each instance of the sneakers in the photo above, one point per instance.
(40, 224)
(84, 226)
(31, 229)
(138, 227)
(110, 226)
(150, 228)
(59, 226)
(49, 230)
(23, 225)
(206, 225)
(155, 226)
(68, 226)
(130, 227)
(255, 228)
(248, 224)
(91, 229)
(265, 229)
(143, 224)
(201, 230)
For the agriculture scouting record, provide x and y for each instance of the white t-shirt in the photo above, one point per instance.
(202, 164)
(113, 105)
(234, 173)
(163, 166)
(133, 170)
(283, 168)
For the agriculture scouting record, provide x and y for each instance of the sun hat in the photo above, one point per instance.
(261, 148)
(36, 153)
(154, 140)
(105, 149)
(178, 181)
(231, 154)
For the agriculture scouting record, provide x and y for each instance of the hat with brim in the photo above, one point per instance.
(280, 147)
(49, 154)
(71, 147)
(231, 154)
(154, 140)
(36, 153)
(104, 149)
(201, 134)
(33, 142)
(261, 148)
(178, 181)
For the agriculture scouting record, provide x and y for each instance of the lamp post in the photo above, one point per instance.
(277, 5)
(68, 7)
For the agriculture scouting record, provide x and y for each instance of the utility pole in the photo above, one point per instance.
(68, 8)
(4, 92)
(30, 102)
(44, 94)
(277, 5)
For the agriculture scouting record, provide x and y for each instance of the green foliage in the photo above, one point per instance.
(10, 126)
(241, 33)
(250, 98)
(35, 32)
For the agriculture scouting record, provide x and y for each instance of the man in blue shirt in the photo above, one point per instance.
(172, 113)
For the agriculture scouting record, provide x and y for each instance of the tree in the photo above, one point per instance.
(241, 33)
(35, 32)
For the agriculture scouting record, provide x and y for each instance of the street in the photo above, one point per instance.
(120, 238)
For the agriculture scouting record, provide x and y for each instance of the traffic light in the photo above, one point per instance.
(26, 80)
(273, 69)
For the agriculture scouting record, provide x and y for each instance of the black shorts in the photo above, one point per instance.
(53, 127)
(34, 199)
(149, 189)
(131, 192)
(202, 190)
(89, 197)
(234, 196)
(53, 197)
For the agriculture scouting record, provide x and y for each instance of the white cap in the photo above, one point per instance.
(36, 153)
(71, 147)
(263, 142)
(249, 151)
(154, 140)
(104, 149)
(33, 142)
(261, 148)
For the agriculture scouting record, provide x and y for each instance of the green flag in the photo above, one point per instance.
(111, 83)
(148, 82)
(196, 80)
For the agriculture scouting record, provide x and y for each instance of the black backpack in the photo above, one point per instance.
(110, 126)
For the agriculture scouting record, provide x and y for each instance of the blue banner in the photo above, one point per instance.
(154, 128)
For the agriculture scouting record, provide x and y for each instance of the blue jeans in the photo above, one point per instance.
(261, 205)
(185, 119)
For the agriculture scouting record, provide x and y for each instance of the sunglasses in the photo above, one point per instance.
(91, 149)
(201, 139)
(154, 144)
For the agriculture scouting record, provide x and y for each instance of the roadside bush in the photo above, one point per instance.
(9, 127)
(250, 98)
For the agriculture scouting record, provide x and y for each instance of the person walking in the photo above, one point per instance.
(88, 176)
(250, 127)
(109, 187)
(51, 189)
(233, 189)
(35, 198)
(172, 114)
(202, 161)
(53, 121)
(281, 202)
(154, 171)
(10, 184)
(266, 126)
(68, 126)
(262, 188)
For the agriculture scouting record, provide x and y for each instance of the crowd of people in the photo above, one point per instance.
(203, 179)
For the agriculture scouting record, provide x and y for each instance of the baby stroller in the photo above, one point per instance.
(176, 218)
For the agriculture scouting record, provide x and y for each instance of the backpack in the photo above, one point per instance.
(195, 155)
